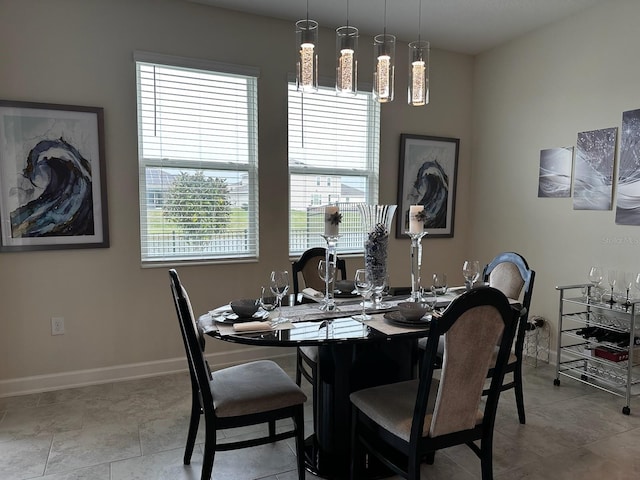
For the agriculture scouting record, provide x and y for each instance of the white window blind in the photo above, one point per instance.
(198, 157)
(333, 159)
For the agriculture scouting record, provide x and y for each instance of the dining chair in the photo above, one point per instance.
(404, 423)
(253, 393)
(307, 267)
(509, 272)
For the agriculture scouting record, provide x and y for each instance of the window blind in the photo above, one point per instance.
(197, 142)
(333, 159)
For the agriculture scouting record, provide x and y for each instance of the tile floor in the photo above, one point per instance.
(136, 430)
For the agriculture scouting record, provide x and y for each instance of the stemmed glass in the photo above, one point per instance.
(612, 280)
(327, 272)
(268, 301)
(363, 287)
(439, 285)
(595, 277)
(628, 282)
(279, 287)
(637, 282)
(471, 272)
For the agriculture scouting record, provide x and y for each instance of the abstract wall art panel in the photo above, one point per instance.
(554, 180)
(628, 191)
(52, 177)
(595, 156)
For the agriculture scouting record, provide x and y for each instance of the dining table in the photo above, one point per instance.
(352, 355)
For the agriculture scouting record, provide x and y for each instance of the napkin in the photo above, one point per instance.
(251, 326)
(312, 292)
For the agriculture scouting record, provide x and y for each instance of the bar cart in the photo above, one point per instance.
(597, 341)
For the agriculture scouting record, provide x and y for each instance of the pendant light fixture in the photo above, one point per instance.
(346, 59)
(418, 85)
(384, 50)
(307, 54)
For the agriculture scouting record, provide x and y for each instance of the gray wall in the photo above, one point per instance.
(120, 321)
(535, 93)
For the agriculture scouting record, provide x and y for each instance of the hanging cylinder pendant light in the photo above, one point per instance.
(346, 59)
(418, 84)
(307, 54)
(384, 53)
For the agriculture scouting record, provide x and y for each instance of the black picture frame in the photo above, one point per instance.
(427, 176)
(53, 192)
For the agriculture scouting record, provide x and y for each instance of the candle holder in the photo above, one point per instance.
(416, 263)
(328, 303)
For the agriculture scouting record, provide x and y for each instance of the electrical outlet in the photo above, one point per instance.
(57, 326)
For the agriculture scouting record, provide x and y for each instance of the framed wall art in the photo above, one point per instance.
(427, 176)
(52, 177)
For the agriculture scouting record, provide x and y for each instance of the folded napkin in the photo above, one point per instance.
(251, 326)
(312, 292)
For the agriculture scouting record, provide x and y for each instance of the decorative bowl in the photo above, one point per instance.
(413, 311)
(245, 307)
(345, 286)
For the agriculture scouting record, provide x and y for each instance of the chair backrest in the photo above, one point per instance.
(194, 341)
(509, 272)
(307, 266)
(472, 326)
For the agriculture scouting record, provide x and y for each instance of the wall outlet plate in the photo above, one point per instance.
(57, 326)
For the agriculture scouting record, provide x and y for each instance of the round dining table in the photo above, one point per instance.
(352, 355)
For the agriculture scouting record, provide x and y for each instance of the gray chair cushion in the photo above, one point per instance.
(252, 388)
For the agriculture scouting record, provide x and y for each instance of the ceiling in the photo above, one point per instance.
(464, 26)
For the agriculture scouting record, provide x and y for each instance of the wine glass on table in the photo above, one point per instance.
(363, 287)
(595, 277)
(471, 272)
(612, 279)
(279, 287)
(439, 285)
(268, 301)
(327, 272)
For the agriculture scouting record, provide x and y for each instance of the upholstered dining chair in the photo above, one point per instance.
(404, 423)
(253, 393)
(510, 273)
(307, 267)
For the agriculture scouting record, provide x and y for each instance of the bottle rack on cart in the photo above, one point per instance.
(597, 343)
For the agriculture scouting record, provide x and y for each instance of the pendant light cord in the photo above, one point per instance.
(419, 19)
(384, 30)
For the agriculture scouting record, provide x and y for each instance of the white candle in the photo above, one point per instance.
(330, 229)
(415, 225)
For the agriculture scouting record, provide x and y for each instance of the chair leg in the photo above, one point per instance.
(298, 420)
(298, 367)
(209, 450)
(413, 470)
(430, 457)
(517, 380)
(486, 457)
(193, 428)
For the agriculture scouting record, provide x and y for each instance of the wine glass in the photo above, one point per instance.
(326, 274)
(628, 283)
(363, 287)
(471, 272)
(279, 287)
(439, 286)
(612, 279)
(595, 277)
(268, 301)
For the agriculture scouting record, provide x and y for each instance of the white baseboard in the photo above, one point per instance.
(118, 373)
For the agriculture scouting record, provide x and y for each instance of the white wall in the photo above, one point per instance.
(537, 93)
(119, 317)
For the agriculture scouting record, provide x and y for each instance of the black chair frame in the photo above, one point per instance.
(528, 276)
(393, 452)
(202, 399)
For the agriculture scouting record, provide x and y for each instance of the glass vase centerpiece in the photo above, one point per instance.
(376, 222)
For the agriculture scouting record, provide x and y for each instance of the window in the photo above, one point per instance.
(337, 139)
(198, 158)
